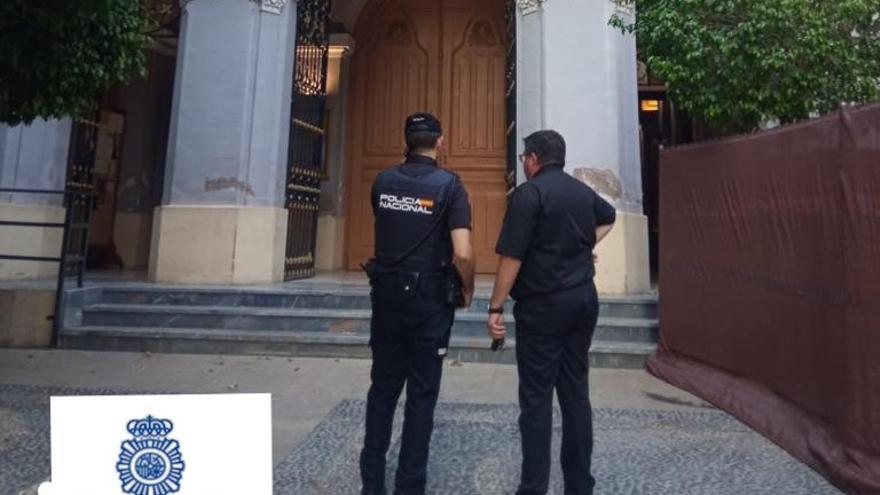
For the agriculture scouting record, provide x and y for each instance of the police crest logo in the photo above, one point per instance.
(150, 463)
(406, 204)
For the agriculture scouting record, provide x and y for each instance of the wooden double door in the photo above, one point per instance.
(447, 57)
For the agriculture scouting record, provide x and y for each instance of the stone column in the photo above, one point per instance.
(577, 75)
(32, 157)
(222, 219)
(331, 219)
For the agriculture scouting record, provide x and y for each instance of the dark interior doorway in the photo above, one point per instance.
(662, 125)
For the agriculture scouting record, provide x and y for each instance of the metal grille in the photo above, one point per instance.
(79, 197)
(511, 97)
(307, 133)
(79, 201)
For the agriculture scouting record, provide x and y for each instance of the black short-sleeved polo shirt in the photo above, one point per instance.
(458, 213)
(550, 226)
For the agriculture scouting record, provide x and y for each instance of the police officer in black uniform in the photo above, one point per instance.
(423, 268)
(546, 246)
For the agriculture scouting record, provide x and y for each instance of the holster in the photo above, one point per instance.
(370, 269)
(406, 282)
(453, 285)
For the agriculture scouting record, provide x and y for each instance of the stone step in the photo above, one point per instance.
(323, 321)
(345, 298)
(627, 355)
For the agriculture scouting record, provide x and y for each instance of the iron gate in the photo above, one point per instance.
(307, 133)
(79, 202)
(79, 198)
(510, 95)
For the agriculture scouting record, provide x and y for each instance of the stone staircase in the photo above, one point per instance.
(305, 319)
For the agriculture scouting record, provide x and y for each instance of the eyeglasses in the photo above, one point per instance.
(523, 156)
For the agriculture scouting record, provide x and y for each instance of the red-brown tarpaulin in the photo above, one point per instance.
(770, 287)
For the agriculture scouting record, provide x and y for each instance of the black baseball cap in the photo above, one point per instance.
(422, 122)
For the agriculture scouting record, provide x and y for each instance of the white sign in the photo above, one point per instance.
(161, 445)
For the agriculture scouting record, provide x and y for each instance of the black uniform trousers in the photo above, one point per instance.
(553, 337)
(409, 337)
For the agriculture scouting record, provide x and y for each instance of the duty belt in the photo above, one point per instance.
(408, 281)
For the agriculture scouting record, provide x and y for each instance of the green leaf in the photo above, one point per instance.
(735, 64)
(56, 55)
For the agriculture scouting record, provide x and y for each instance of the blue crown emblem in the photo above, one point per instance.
(149, 428)
(150, 463)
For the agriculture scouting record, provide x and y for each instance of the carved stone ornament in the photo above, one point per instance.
(272, 6)
(625, 6)
(527, 7)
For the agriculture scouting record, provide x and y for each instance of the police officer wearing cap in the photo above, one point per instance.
(546, 246)
(423, 268)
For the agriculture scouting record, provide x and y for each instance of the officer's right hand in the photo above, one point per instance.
(496, 327)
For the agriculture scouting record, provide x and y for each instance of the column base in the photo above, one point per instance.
(131, 234)
(30, 241)
(623, 267)
(218, 245)
(331, 239)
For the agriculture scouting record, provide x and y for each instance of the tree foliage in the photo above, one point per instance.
(56, 56)
(737, 63)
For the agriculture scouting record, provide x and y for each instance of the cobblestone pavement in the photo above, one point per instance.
(475, 451)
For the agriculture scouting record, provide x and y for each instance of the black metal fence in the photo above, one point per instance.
(78, 201)
(74, 241)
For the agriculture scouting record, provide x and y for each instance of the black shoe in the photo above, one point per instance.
(373, 492)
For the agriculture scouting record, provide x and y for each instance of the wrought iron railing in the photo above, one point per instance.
(71, 260)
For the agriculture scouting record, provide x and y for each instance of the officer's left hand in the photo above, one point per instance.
(496, 327)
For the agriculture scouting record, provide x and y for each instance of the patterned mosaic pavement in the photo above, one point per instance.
(475, 451)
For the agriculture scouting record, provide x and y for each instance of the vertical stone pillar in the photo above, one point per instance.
(32, 157)
(329, 255)
(577, 75)
(222, 219)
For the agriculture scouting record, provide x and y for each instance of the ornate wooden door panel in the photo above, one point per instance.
(474, 59)
(447, 58)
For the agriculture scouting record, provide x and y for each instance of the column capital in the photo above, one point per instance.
(271, 6)
(527, 7)
(341, 45)
(626, 7)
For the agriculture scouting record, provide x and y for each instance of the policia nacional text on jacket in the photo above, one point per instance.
(546, 245)
(423, 221)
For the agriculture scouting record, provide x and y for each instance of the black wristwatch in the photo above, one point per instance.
(496, 311)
